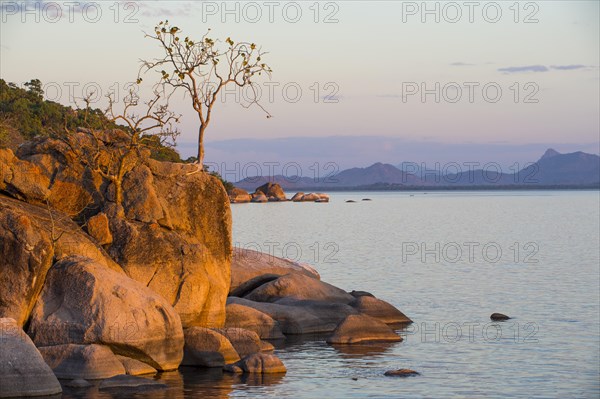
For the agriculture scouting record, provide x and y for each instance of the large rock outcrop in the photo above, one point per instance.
(85, 303)
(172, 231)
(23, 371)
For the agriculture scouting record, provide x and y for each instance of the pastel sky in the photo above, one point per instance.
(361, 66)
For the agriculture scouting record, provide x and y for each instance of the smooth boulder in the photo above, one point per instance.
(259, 198)
(272, 191)
(241, 316)
(23, 371)
(299, 287)
(85, 303)
(260, 363)
(245, 342)
(297, 197)
(88, 362)
(401, 373)
(135, 367)
(207, 348)
(238, 196)
(248, 264)
(380, 310)
(301, 317)
(362, 328)
(499, 317)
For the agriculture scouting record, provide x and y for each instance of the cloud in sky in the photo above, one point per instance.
(528, 68)
(567, 67)
(461, 64)
(542, 68)
(164, 9)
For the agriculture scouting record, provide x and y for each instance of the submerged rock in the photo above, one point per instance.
(78, 383)
(362, 328)
(401, 373)
(127, 382)
(23, 371)
(88, 362)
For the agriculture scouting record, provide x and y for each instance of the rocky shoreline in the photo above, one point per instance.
(95, 292)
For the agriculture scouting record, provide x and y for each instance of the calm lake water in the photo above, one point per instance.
(448, 260)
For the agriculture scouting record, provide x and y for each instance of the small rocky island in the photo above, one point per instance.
(102, 281)
(272, 192)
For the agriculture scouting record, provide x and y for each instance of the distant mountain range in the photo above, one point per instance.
(573, 170)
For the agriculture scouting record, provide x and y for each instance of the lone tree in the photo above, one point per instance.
(202, 69)
(112, 153)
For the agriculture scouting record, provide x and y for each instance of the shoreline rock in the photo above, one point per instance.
(401, 373)
(362, 328)
(23, 371)
(87, 362)
(260, 363)
(85, 303)
(207, 348)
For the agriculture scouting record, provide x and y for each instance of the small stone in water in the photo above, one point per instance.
(401, 373)
(499, 317)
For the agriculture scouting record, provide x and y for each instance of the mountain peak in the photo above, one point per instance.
(550, 152)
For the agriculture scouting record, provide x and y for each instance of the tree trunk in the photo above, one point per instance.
(201, 146)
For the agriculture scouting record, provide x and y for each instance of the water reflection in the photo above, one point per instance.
(185, 382)
(363, 351)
